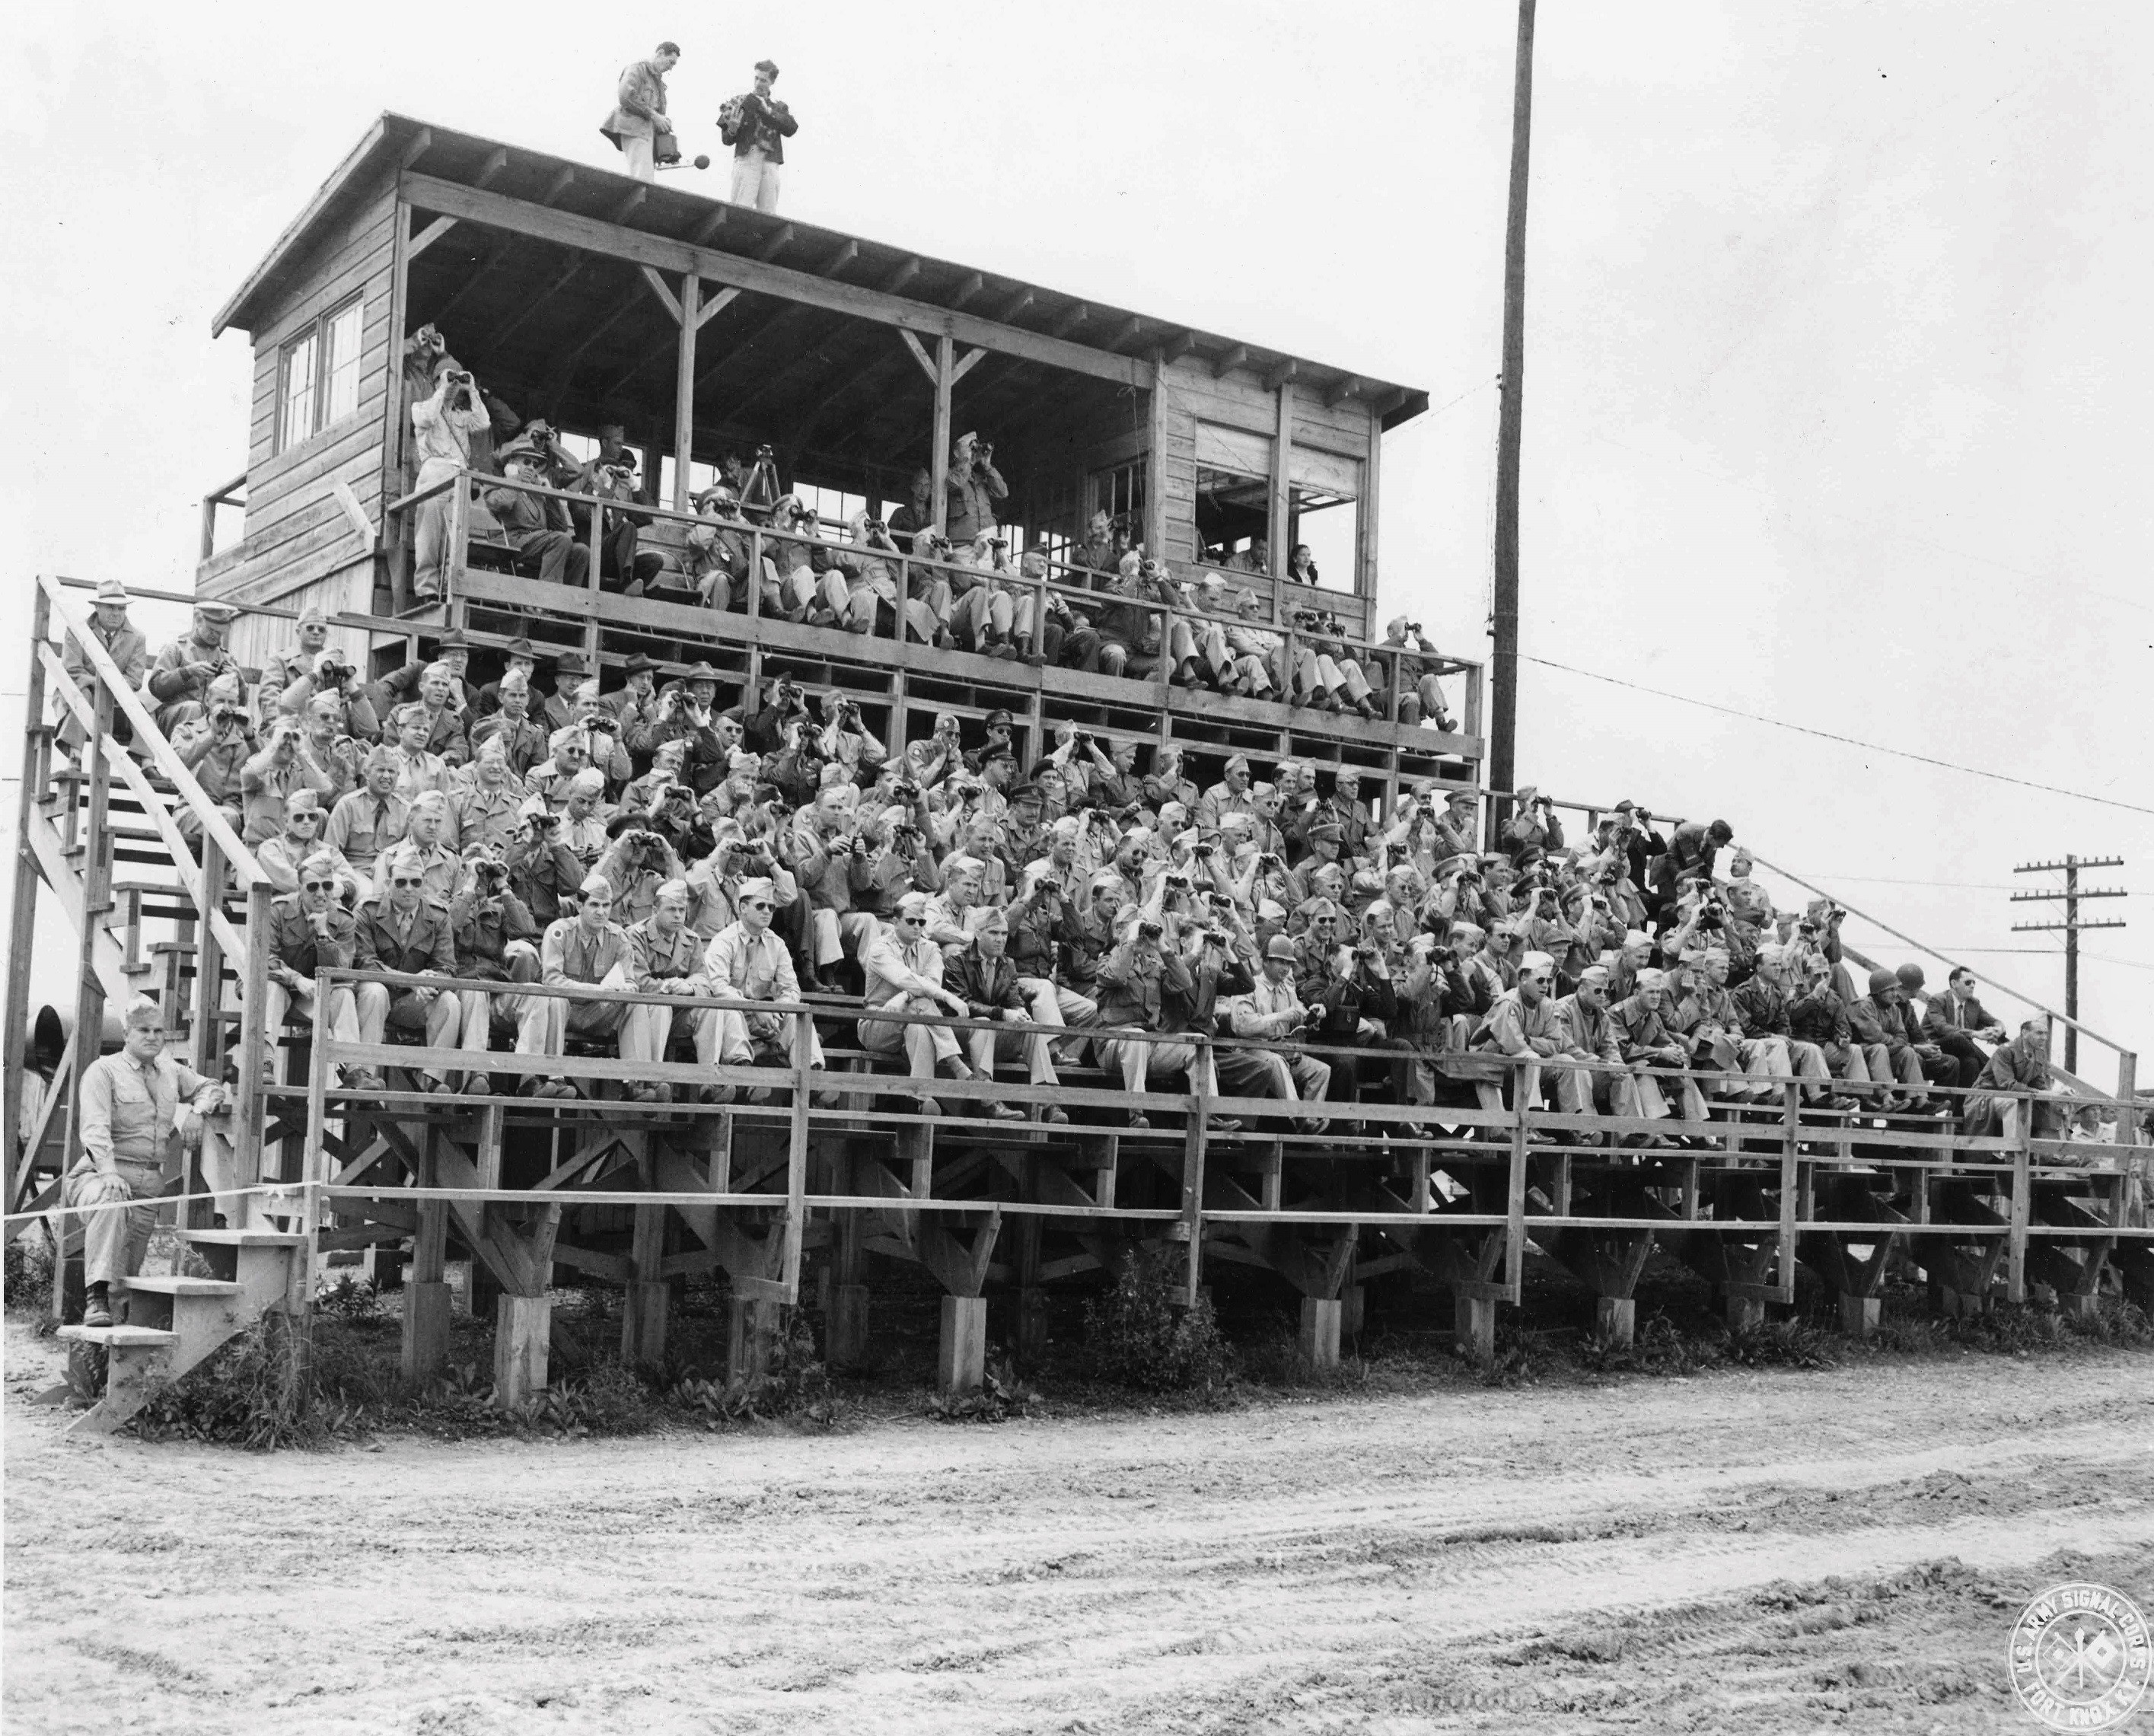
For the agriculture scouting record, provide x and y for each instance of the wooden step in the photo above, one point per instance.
(242, 1239)
(163, 1286)
(122, 1338)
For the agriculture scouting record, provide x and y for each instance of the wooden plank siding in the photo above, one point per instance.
(298, 541)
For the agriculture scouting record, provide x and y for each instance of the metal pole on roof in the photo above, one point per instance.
(1503, 616)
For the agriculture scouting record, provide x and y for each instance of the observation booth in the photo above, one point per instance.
(705, 329)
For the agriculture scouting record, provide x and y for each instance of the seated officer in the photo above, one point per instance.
(589, 948)
(310, 931)
(666, 957)
(746, 960)
(406, 933)
(903, 969)
(130, 1107)
(497, 941)
(984, 977)
(1272, 1008)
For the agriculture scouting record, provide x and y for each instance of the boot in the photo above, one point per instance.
(97, 1309)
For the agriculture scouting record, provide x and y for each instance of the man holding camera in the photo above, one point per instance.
(637, 127)
(974, 485)
(270, 777)
(757, 126)
(179, 680)
(543, 871)
(1533, 830)
(296, 660)
(1403, 665)
(216, 746)
(441, 427)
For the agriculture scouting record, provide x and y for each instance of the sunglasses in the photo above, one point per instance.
(757, 904)
(317, 886)
(399, 879)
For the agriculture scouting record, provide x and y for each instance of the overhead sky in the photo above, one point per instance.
(1836, 376)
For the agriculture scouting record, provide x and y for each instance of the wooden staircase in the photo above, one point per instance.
(174, 1323)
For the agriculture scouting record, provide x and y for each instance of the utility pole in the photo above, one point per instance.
(1503, 618)
(2072, 925)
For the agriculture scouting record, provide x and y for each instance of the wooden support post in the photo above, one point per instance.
(1354, 1310)
(1192, 1176)
(1615, 1320)
(845, 1332)
(1319, 1342)
(523, 1329)
(1514, 1233)
(961, 1352)
(257, 1044)
(1473, 1327)
(426, 1303)
(1279, 522)
(684, 391)
(643, 1315)
(22, 913)
(1156, 462)
(456, 566)
(796, 1155)
(209, 966)
(1859, 1315)
(751, 1338)
(2015, 1242)
(1744, 1314)
(96, 898)
(940, 462)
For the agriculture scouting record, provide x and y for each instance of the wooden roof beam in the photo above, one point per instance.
(622, 212)
(564, 179)
(495, 163)
(777, 244)
(421, 143)
(1231, 360)
(501, 334)
(743, 346)
(1350, 387)
(967, 290)
(427, 237)
(1182, 346)
(905, 273)
(853, 300)
(1071, 321)
(493, 256)
(1126, 332)
(1017, 304)
(710, 226)
(1278, 376)
(839, 260)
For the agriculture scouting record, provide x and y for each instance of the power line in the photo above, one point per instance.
(1849, 741)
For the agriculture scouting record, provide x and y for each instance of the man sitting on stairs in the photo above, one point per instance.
(131, 1105)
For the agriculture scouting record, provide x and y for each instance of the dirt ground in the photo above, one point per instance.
(1745, 1552)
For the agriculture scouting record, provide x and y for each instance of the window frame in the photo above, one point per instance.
(315, 335)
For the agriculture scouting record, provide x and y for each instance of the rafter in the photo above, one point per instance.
(1231, 360)
(564, 179)
(777, 244)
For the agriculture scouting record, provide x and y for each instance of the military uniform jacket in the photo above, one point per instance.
(424, 941)
(295, 945)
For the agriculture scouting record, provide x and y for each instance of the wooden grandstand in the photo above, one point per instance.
(588, 297)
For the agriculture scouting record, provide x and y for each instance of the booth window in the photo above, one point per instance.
(1323, 511)
(1232, 512)
(318, 375)
(1119, 492)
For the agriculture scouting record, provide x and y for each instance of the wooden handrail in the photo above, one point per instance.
(151, 739)
(1363, 650)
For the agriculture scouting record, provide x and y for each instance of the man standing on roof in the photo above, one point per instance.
(638, 126)
(757, 126)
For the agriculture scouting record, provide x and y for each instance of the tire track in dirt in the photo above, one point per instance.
(1293, 1566)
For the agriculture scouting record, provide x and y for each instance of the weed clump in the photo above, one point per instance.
(1137, 1333)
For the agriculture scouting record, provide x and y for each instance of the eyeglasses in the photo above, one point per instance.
(319, 886)
(401, 880)
(757, 904)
